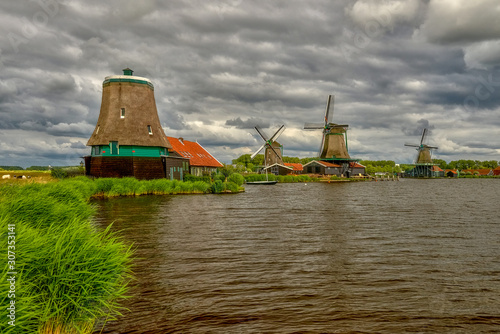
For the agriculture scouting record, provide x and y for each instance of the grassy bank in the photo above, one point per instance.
(67, 274)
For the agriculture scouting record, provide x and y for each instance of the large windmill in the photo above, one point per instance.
(273, 152)
(423, 160)
(334, 141)
(333, 146)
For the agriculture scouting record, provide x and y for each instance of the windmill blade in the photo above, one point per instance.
(327, 111)
(257, 152)
(262, 133)
(272, 148)
(412, 145)
(322, 143)
(432, 147)
(424, 134)
(313, 126)
(277, 133)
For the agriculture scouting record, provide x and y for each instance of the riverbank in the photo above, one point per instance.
(63, 273)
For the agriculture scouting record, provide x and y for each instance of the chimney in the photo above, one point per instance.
(181, 140)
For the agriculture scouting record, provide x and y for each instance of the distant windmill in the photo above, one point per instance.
(272, 153)
(334, 140)
(424, 150)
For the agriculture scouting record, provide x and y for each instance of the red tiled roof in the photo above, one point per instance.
(356, 165)
(295, 166)
(484, 171)
(454, 171)
(436, 169)
(196, 154)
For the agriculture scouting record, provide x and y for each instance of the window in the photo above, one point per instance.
(122, 113)
(150, 130)
(97, 131)
(96, 150)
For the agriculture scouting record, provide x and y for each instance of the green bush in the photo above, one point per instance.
(231, 186)
(220, 177)
(236, 178)
(217, 187)
(193, 178)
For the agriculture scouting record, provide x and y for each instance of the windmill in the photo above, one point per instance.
(272, 153)
(334, 141)
(333, 146)
(424, 150)
(423, 160)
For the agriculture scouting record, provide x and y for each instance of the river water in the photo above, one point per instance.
(414, 256)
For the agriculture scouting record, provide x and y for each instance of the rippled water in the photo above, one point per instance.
(419, 256)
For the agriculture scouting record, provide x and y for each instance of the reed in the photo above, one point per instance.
(70, 274)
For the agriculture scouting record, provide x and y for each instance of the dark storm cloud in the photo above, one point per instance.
(250, 123)
(419, 128)
(220, 66)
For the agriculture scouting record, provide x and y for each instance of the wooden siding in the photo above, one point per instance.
(175, 167)
(138, 167)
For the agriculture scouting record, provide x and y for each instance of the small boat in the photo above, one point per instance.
(262, 182)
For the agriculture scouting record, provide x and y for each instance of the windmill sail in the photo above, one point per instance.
(333, 141)
(424, 155)
(272, 152)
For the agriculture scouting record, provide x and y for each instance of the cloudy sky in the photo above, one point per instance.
(220, 67)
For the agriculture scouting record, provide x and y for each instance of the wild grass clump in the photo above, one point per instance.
(231, 186)
(41, 205)
(69, 273)
(201, 187)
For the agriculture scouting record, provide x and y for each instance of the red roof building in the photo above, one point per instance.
(297, 168)
(200, 161)
(482, 172)
(496, 171)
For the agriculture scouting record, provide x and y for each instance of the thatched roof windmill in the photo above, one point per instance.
(273, 152)
(128, 139)
(334, 141)
(424, 151)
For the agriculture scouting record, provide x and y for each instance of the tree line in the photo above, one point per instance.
(245, 163)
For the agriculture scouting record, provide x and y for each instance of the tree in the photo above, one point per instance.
(441, 163)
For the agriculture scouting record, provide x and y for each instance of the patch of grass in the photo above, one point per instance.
(70, 274)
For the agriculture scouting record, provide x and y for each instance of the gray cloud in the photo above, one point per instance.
(250, 123)
(219, 67)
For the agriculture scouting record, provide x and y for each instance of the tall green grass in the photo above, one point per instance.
(69, 273)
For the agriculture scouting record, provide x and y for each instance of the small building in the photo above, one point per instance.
(297, 167)
(322, 167)
(357, 169)
(425, 170)
(480, 172)
(451, 173)
(496, 171)
(200, 161)
(278, 169)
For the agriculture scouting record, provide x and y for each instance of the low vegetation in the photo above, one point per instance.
(69, 273)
